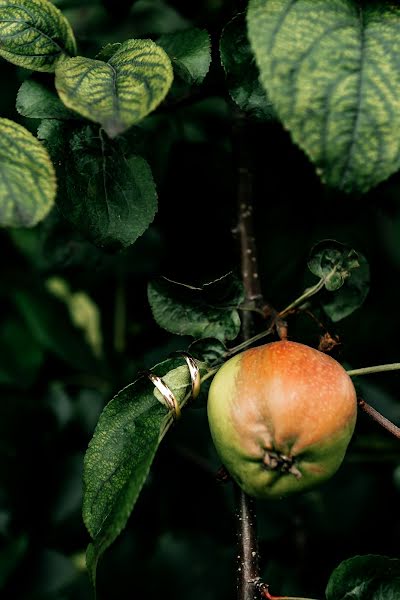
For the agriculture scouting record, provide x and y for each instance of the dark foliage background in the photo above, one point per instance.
(179, 542)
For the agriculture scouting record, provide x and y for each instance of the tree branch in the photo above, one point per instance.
(248, 570)
(379, 418)
(248, 573)
(245, 229)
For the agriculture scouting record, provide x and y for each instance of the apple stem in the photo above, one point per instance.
(379, 418)
(377, 369)
(249, 342)
(311, 291)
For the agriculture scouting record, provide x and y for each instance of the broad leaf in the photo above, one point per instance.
(118, 189)
(27, 178)
(121, 451)
(209, 311)
(37, 101)
(365, 578)
(34, 34)
(190, 53)
(344, 272)
(119, 92)
(334, 83)
(242, 74)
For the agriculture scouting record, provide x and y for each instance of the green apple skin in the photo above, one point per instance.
(281, 417)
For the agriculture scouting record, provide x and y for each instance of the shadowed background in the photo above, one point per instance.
(55, 377)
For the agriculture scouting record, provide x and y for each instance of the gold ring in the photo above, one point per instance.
(166, 393)
(194, 372)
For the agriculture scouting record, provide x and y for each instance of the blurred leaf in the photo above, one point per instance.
(119, 191)
(157, 17)
(34, 34)
(209, 311)
(16, 367)
(365, 578)
(48, 321)
(10, 556)
(242, 74)
(54, 572)
(204, 559)
(190, 53)
(60, 404)
(69, 497)
(118, 8)
(121, 452)
(89, 405)
(37, 101)
(120, 92)
(84, 312)
(27, 178)
(323, 67)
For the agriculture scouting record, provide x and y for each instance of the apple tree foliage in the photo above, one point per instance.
(122, 126)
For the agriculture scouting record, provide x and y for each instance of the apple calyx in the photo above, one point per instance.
(276, 461)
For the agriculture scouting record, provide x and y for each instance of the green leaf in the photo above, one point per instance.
(37, 101)
(34, 34)
(119, 191)
(333, 82)
(344, 272)
(365, 578)
(190, 53)
(209, 350)
(27, 178)
(120, 92)
(333, 262)
(351, 295)
(242, 74)
(208, 311)
(121, 452)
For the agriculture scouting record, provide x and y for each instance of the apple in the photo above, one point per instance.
(281, 417)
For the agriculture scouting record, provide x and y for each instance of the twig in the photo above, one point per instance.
(248, 573)
(264, 590)
(377, 369)
(304, 296)
(380, 419)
